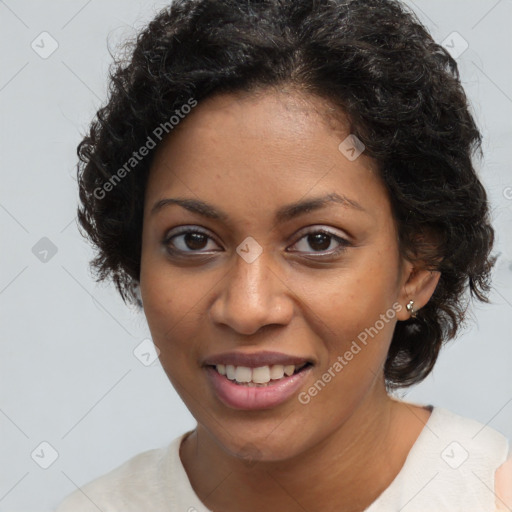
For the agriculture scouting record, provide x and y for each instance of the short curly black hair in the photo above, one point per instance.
(373, 60)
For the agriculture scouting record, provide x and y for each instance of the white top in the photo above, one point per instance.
(451, 467)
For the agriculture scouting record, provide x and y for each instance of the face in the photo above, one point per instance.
(240, 274)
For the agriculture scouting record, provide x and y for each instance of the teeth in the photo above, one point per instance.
(230, 372)
(289, 369)
(277, 371)
(261, 375)
(243, 374)
(256, 376)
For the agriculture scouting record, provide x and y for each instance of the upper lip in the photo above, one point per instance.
(255, 359)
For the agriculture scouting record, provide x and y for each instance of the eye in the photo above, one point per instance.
(188, 240)
(322, 240)
(194, 240)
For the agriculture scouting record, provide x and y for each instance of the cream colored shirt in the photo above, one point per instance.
(451, 467)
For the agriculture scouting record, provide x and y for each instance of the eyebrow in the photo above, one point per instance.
(284, 213)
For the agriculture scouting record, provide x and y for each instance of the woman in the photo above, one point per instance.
(286, 188)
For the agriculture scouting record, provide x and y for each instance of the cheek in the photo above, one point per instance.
(357, 308)
(171, 300)
(356, 328)
(360, 323)
(173, 321)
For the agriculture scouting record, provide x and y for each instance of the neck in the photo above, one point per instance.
(346, 471)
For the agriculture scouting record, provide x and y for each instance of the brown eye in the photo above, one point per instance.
(194, 241)
(188, 240)
(320, 241)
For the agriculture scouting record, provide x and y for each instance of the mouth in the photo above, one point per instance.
(262, 376)
(259, 386)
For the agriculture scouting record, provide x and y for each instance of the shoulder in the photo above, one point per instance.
(479, 454)
(472, 436)
(457, 457)
(127, 487)
(503, 485)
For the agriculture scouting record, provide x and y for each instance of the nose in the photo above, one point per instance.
(252, 295)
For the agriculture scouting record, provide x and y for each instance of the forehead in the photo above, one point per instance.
(266, 148)
(271, 114)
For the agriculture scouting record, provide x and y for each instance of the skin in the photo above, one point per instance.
(250, 154)
(503, 483)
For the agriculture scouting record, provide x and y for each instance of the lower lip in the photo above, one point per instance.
(251, 398)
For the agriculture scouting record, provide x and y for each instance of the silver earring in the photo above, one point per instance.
(410, 308)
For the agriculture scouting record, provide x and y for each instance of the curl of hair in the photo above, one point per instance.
(371, 58)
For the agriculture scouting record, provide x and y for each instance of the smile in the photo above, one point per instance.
(257, 380)
(258, 377)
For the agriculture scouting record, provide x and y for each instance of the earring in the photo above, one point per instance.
(410, 308)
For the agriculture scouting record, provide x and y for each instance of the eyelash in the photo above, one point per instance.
(187, 230)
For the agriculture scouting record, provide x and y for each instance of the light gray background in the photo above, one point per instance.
(69, 376)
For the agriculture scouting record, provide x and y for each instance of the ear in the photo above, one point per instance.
(418, 285)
